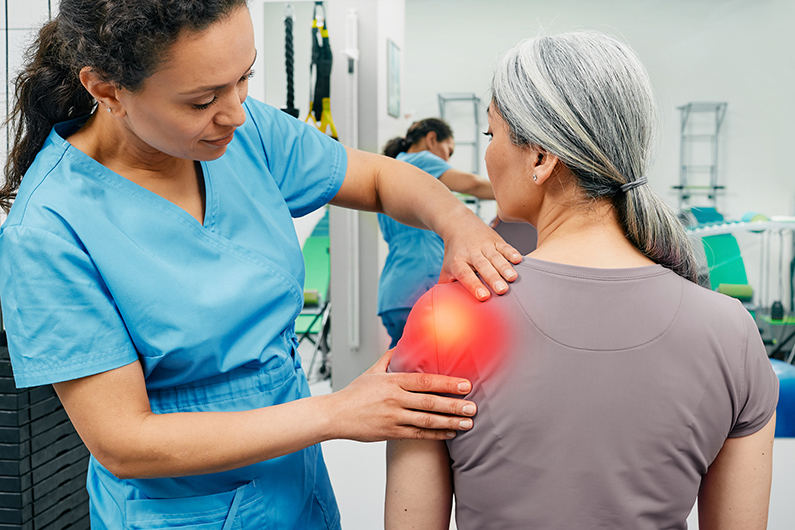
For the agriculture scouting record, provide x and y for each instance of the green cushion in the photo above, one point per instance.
(318, 272)
(743, 292)
(724, 260)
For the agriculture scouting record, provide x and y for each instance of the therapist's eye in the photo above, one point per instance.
(488, 135)
(206, 105)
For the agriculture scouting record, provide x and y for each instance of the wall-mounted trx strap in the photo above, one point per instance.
(320, 98)
(289, 17)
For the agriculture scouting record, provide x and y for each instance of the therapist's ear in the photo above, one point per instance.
(106, 93)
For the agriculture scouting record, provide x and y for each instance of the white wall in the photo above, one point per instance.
(738, 51)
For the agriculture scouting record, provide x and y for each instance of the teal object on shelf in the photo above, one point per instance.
(785, 411)
(706, 214)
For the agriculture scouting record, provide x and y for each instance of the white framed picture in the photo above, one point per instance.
(393, 79)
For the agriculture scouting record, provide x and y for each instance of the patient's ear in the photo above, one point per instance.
(542, 164)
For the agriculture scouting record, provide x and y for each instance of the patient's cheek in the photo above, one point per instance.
(460, 336)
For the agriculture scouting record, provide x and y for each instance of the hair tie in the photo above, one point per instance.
(634, 184)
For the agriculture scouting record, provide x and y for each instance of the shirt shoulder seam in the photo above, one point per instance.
(38, 185)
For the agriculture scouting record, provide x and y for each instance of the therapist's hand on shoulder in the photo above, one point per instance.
(388, 406)
(472, 247)
(413, 197)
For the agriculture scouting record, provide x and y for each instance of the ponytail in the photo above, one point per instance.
(46, 92)
(652, 226)
(587, 99)
(395, 146)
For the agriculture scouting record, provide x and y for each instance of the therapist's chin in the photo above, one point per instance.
(209, 154)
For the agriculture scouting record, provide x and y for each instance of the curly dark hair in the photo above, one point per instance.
(124, 41)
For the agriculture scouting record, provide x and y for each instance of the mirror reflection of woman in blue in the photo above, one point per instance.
(415, 256)
(150, 270)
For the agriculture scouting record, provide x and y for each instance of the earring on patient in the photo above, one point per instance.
(535, 178)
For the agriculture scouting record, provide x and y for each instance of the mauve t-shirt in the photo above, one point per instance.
(603, 394)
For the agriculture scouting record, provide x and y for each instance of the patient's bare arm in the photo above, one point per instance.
(419, 486)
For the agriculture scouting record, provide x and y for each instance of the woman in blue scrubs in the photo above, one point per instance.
(415, 256)
(149, 269)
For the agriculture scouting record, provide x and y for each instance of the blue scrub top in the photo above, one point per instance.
(97, 272)
(415, 256)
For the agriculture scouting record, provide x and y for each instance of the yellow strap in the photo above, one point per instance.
(326, 120)
(311, 116)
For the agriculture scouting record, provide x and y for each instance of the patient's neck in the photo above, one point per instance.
(586, 236)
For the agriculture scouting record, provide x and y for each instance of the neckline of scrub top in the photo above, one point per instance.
(131, 187)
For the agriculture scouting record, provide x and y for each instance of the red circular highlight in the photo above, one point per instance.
(450, 332)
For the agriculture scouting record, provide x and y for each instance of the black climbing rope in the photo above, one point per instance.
(289, 60)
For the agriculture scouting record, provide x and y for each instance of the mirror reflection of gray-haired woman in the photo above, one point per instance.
(612, 390)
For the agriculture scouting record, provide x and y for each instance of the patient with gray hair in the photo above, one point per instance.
(612, 390)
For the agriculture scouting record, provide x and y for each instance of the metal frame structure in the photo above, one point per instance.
(466, 97)
(688, 141)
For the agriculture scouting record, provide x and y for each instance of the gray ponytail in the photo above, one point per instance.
(587, 99)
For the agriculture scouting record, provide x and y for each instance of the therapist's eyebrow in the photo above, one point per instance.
(215, 87)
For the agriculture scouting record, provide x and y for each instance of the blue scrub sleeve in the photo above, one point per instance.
(68, 326)
(426, 161)
(307, 165)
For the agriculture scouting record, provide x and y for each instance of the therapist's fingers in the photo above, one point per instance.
(388, 406)
(507, 253)
(425, 426)
(501, 256)
(482, 258)
(383, 363)
(427, 383)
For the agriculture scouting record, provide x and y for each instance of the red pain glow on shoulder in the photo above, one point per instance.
(457, 335)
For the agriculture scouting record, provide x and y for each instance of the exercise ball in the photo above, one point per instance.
(785, 411)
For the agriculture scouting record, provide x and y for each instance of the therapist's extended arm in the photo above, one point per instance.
(111, 413)
(411, 196)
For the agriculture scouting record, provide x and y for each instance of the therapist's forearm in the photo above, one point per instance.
(402, 191)
(111, 413)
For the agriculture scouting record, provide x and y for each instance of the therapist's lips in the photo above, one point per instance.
(221, 141)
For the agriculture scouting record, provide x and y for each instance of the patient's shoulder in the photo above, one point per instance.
(450, 332)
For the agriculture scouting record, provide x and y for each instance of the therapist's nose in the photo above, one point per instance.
(231, 112)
